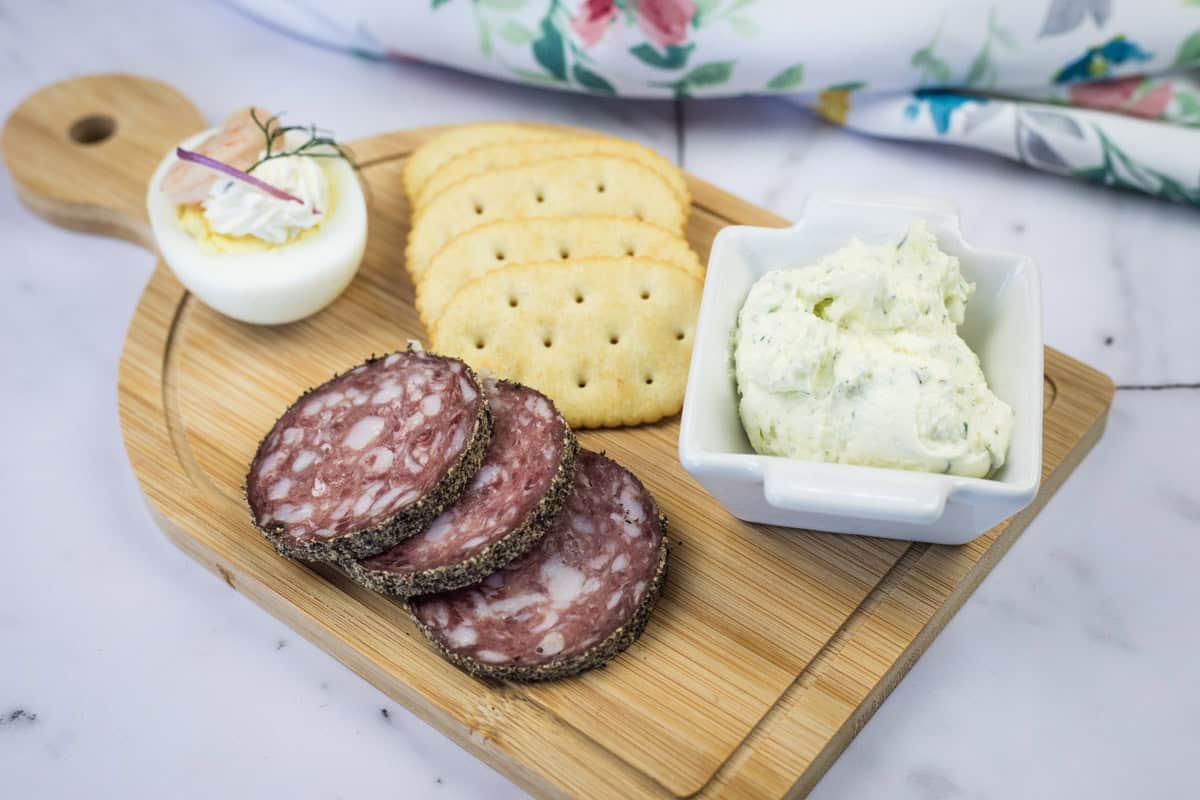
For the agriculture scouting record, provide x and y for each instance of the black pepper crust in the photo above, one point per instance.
(494, 556)
(593, 657)
(408, 521)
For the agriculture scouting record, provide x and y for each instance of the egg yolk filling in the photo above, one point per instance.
(193, 220)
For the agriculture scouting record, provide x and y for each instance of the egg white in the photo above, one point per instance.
(269, 287)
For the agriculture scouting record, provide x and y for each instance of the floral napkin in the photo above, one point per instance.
(1105, 90)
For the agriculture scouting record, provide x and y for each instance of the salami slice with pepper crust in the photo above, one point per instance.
(369, 458)
(579, 597)
(525, 478)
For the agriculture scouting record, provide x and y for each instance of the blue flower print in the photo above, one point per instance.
(1098, 62)
(942, 105)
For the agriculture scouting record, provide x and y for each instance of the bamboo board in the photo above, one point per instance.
(770, 648)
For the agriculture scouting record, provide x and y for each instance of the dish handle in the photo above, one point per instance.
(882, 494)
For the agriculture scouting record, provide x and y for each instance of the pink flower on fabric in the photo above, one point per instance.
(592, 20)
(665, 21)
(1122, 95)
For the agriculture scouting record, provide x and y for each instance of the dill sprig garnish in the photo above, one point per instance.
(273, 132)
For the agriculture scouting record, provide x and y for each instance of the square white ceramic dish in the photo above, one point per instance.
(1003, 326)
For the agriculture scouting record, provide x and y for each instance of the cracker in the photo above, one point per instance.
(426, 159)
(510, 154)
(607, 339)
(557, 187)
(506, 242)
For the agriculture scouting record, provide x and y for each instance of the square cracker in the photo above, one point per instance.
(558, 187)
(608, 340)
(517, 241)
(512, 153)
(427, 158)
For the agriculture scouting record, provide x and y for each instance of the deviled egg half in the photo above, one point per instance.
(265, 223)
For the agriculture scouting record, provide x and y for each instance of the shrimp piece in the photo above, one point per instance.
(238, 144)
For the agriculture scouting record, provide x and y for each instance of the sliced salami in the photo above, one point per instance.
(369, 458)
(579, 597)
(525, 477)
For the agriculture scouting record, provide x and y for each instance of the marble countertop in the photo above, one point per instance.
(126, 670)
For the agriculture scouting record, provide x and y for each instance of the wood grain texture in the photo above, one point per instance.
(770, 648)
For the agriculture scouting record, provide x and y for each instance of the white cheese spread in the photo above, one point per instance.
(857, 359)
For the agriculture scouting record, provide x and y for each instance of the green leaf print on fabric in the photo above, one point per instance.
(1189, 51)
(789, 78)
(438, 4)
(709, 12)
(704, 8)
(549, 49)
(933, 68)
(1189, 110)
(710, 74)
(503, 5)
(673, 57)
(514, 32)
(979, 67)
(982, 70)
(590, 80)
(539, 78)
(713, 73)
(744, 27)
(485, 37)
(1121, 171)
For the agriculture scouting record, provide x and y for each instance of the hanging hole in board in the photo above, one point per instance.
(578, 297)
(614, 339)
(582, 383)
(541, 198)
(512, 302)
(564, 253)
(92, 129)
(499, 255)
(679, 336)
(629, 250)
(649, 380)
(479, 344)
(600, 188)
(547, 342)
(645, 294)
(478, 208)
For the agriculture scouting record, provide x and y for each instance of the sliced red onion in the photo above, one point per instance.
(234, 172)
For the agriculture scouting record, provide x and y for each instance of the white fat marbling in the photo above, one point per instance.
(127, 670)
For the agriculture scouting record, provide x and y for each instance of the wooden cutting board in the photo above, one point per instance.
(770, 648)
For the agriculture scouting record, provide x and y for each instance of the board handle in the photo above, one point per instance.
(81, 152)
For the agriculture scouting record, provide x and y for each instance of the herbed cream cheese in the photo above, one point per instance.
(857, 359)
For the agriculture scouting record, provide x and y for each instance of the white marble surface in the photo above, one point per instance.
(126, 670)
